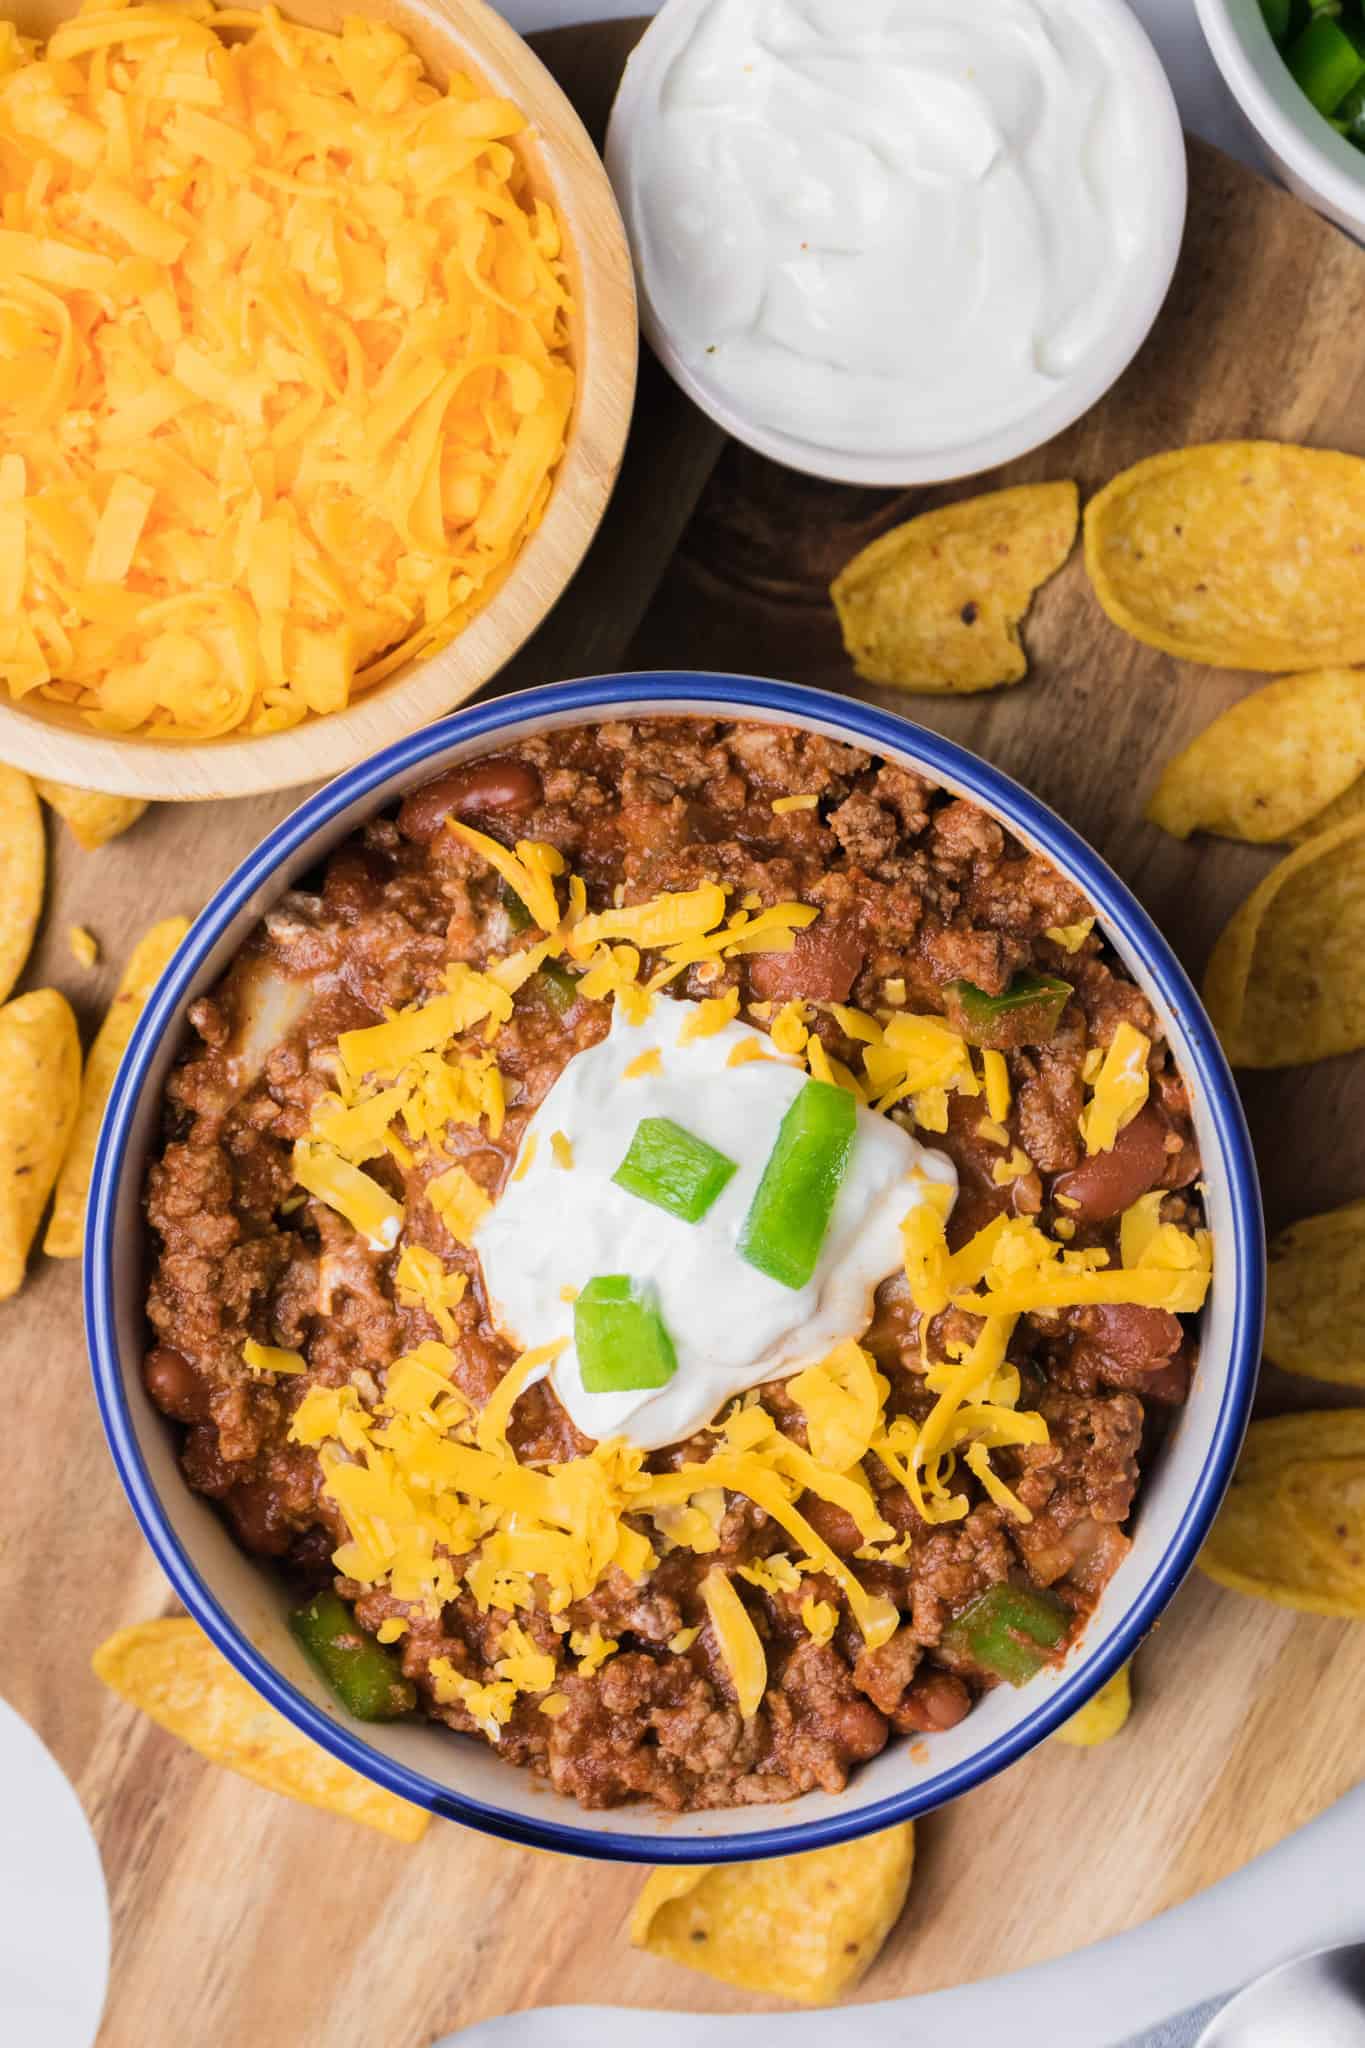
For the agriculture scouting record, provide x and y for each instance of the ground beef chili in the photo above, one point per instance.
(916, 890)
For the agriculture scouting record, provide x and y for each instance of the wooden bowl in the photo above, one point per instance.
(562, 165)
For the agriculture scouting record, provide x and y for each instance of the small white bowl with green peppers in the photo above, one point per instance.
(1296, 69)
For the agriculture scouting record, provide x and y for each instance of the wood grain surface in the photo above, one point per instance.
(247, 1923)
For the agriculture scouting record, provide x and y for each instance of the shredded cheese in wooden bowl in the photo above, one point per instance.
(285, 370)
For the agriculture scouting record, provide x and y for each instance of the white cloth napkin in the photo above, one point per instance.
(1181, 2032)
(1303, 1895)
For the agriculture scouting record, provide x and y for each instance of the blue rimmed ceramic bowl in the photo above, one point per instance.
(239, 1603)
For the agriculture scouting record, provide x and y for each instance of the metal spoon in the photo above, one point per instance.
(1317, 2001)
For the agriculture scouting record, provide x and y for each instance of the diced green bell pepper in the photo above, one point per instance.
(1325, 63)
(620, 1337)
(1026, 1013)
(674, 1169)
(361, 1672)
(559, 987)
(1009, 1631)
(1350, 116)
(518, 916)
(789, 1216)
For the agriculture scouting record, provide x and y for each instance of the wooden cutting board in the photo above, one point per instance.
(242, 1921)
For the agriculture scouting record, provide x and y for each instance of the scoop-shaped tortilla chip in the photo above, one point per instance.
(1257, 1545)
(1286, 981)
(935, 604)
(799, 1927)
(1283, 1440)
(40, 1085)
(1101, 1718)
(1350, 804)
(66, 1231)
(172, 1673)
(1324, 1500)
(23, 869)
(1270, 764)
(94, 819)
(1246, 554)
(1315, 1305)
(1253, 1549)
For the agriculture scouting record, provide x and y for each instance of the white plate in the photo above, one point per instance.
(54, 1910)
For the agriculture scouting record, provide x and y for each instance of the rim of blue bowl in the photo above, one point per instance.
(883, 732)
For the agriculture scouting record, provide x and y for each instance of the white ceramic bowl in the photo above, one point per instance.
(1148, 279)
(241, 1603)
(1313, 160)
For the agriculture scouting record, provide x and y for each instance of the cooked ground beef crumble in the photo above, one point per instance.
(916, 890)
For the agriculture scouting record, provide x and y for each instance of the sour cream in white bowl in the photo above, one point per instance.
(898, 241)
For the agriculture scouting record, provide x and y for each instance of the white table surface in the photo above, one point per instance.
(1205, 103)
(1302, 1894)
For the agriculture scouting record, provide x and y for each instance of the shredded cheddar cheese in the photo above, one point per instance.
(591, 1648)
(840, 1398)
(1006, 1171)
(923, 1058)
(1025, 1272)
(925, 1239)
(260, 1358)
(709, 1016)
(527, 1159)
(996, 1080)
(739, 1641)
(1120, 1089)
(789, 1029)
(459, 1201)
(529, 872)
(677, 915)
(421, 1281)
(284, 371)
(819, 1618)
(1071, 937)
(748, 1049)
(343, 1187)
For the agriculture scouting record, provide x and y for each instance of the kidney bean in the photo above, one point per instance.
(472, 790)
(1107, 1183)
(1121, 1345)
(935, 1700)
(175, 1386)
(859, 1729)
(823, 964)
(259, 1517)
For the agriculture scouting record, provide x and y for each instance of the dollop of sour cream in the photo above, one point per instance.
(886, 224)
(556, 1226)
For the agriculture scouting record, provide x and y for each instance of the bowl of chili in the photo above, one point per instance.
(1018, 1642)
